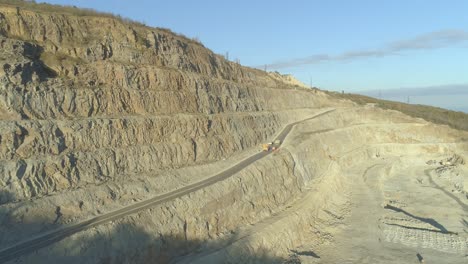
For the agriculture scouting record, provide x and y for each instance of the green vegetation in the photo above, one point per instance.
(457, 120)
(44, 7)
(73, 10)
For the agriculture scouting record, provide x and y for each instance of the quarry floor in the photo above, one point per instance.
(399, 213)
(383, 189)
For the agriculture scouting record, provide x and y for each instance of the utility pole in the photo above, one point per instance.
(311, 82)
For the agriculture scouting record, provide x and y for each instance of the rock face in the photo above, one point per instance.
(88, 99)
(97, 113)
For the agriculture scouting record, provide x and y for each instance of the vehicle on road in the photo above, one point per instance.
(271, 146)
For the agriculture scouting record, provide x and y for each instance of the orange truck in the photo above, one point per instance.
(272, 146)
(266, 147)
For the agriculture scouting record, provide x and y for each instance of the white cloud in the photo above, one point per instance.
(432, 40)
(456, 89)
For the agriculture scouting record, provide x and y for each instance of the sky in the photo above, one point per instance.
(350, 46)
(446, 96)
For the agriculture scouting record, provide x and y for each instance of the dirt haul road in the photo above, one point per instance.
(57, 235)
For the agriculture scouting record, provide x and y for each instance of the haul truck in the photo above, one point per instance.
(271, 146)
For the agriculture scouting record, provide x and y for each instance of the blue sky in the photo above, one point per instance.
(337, 45)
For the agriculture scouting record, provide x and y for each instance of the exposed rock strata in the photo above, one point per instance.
(87, 100)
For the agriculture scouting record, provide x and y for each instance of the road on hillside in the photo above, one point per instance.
(51, 237)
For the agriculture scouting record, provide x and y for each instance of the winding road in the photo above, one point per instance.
(46, 239)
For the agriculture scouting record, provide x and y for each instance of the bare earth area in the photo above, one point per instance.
(379, 202)
(398, 212)
(384, 188)
(121, 143)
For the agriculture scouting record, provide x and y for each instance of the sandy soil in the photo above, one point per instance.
(402, 211)
(399, 196)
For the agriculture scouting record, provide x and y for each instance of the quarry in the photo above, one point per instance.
(122, 143)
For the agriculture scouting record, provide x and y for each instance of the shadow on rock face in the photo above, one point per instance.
(129, 242)
(6, 196)
(22, 62)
